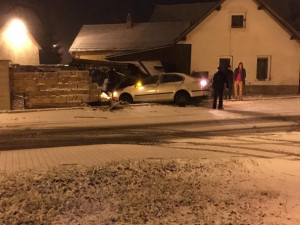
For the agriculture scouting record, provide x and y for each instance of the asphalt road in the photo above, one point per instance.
(145, 134)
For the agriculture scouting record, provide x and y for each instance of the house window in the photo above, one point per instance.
(225, 61)
(263, 68)
(238, 21)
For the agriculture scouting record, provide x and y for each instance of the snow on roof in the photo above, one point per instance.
(119, 37)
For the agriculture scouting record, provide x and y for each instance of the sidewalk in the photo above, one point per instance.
(144, 114)
(46, 158)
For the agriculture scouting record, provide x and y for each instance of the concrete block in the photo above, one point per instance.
(4, 85)
(94, 98)
(16, 76)
(28, 76)
(80, 91)
(31, 89)
(83, 85)
(93, 86)
(17, 86)
(66, 73)
(67, 86)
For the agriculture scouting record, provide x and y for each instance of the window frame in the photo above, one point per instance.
(150, 77)
(225, 57)
(268, 77)
(169, 75)
(238, 14)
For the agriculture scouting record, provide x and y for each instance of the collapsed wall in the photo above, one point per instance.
(62, 88)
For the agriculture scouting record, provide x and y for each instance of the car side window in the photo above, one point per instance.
(170, 78)
(151, 80)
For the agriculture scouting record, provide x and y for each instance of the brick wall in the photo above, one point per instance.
(52, 89)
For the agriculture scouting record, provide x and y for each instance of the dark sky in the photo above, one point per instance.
(64, 18)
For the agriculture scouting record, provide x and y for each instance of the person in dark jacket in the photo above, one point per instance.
(219, 81)
(229, 76)
(239, 77)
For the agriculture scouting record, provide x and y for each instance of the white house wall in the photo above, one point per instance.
(262, 36)
(26, 55)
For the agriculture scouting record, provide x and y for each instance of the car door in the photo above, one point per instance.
(168, 85)
(146, 91)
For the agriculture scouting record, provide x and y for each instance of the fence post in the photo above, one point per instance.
(4, 85)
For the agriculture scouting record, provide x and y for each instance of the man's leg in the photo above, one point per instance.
(230, 90)
(220, 99)
(215, 98)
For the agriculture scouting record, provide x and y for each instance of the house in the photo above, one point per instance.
(17, 46)
(98, 42)
(16, 43)
(247, 31)
(225, 32)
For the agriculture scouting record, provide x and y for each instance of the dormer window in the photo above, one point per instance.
(238, 20)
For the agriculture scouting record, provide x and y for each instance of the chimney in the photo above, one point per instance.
(129, 21)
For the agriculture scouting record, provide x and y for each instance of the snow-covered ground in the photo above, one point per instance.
(147, 114)
(254, 180)
(155, 191)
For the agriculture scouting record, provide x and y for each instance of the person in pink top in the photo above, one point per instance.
(239, 77)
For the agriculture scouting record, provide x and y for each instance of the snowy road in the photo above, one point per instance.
(155, 125)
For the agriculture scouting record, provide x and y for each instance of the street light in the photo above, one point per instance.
(16, 34)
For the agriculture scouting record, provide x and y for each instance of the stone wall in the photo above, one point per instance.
(252, 90)
(52, 89)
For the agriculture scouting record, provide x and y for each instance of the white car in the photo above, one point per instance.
(166, 87)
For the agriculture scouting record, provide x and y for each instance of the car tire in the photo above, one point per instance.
(126, 98)
(182, 99)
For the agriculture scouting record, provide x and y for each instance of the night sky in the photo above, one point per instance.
(59, 21)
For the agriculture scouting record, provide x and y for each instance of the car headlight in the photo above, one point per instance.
(203, 83)
(115, 94)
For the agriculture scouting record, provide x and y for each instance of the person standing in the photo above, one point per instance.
(239, 76)
(219, 81)
(229, 75)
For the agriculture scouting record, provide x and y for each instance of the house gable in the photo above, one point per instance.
(261, 36)
(26, 54)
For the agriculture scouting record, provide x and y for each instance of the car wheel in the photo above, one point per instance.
(126, 98)
(182, 99)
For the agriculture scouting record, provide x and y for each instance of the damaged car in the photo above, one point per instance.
(166, 87)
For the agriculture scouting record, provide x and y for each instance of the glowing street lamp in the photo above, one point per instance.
(16, 34)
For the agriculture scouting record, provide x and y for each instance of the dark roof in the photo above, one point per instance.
(263, 5)
(295, 34)
(296, 24)
(181, 12)
(119, 37)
